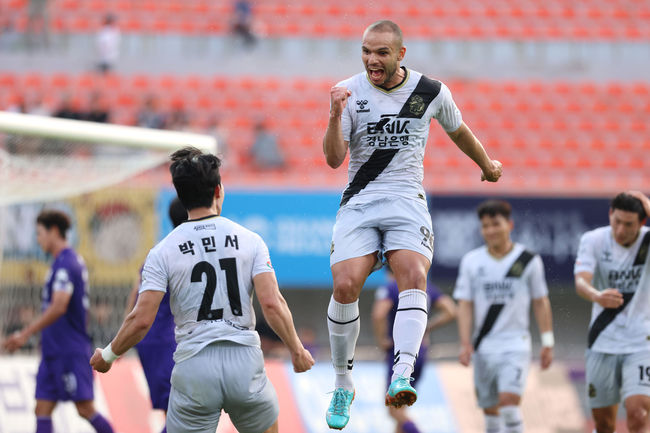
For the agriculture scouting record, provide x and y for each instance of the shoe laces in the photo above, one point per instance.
(339, 400)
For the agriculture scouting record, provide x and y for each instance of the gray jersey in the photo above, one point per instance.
(387, 131)
(501, 290)
(208, 265)
(625, 329)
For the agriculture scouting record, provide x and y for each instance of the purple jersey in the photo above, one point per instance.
(68, 335)
(391, 292)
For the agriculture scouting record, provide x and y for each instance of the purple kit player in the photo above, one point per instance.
(383, 317)
(156, 350)
(64, 373)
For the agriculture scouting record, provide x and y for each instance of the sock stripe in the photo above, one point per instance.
(342, 323)
(413, 308)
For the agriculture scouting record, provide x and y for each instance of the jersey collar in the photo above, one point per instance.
(400, 85)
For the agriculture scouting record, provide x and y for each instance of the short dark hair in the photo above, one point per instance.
(195, 176)
(387, 26)
(177, 213)
(493, 208)
(49, 218)
(629, 203)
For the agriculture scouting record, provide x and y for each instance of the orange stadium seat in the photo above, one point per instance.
(566, 127)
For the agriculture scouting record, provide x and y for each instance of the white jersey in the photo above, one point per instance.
(208, 266)
(501, 290)
(387, 131)
(625, 329)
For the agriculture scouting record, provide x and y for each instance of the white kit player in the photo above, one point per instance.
(612, 270)
(211, 266)
(495, 287)
(382, 116)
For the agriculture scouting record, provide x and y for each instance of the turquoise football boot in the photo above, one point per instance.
(400, 392)
(338, 414)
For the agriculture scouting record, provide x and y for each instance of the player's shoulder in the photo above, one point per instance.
(596, 234)
(521, 249)
(68, 259)
(354, 81)
(427, 84)
(478, 253)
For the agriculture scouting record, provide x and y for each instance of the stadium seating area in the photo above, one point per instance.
(467, 19)
(553, 137)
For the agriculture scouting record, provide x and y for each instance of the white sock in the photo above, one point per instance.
(492, 424)
(512, 419)
(408, 330)
(343, 325)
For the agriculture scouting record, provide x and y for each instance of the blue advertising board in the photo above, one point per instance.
(297, 227)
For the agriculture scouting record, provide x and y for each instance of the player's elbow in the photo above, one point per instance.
(334, 161)
(272, 305)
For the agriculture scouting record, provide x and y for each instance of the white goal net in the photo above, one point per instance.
(109, 179)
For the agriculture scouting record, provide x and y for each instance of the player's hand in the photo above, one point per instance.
(465, 356)
(15, 341)
(98, 363)
(302, 360)
(546, 357)
(338, 100)
(609, 298)
(493, 172)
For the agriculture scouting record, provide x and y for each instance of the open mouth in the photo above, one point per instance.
(376, 74)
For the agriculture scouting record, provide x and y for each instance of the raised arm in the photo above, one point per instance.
(278, 316)
(470, 145)
(334, 147)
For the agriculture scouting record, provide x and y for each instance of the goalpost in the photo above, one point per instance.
(82, 168)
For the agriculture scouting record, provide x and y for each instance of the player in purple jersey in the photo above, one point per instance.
(156, 350)
(383, 317)
(64, 373)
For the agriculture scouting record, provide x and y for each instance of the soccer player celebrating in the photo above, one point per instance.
(612, 270)
(383, 316)
(156, 349)
(64, 373)
(210, 266)
(382, 115)
(495, 285)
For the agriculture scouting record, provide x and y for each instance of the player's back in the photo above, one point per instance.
(208, 265)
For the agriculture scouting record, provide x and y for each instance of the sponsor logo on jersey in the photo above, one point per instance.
(362, 104)
(332, 248)
(592, 390)
(205, 227)
(269, 265)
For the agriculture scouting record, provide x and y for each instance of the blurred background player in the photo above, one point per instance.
(612, 270)
(383, 210)
(383, 317)
(219, 363)
(64, 373)
(496, 283)
(156, 349)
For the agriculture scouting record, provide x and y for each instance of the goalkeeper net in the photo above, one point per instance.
(110, 180)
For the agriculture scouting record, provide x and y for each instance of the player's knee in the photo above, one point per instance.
(508, 399)
(346, 290)
(637, 418)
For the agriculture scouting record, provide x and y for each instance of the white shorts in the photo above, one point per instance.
(612, 378)
(392, 223)
(495, 373)
(227, 376)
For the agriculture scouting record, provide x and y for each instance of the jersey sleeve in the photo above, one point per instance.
(448, 114)
(262, 259)
(154, 273)
(61, 281)
(463, 289)
(586, 258)
(536, 279)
